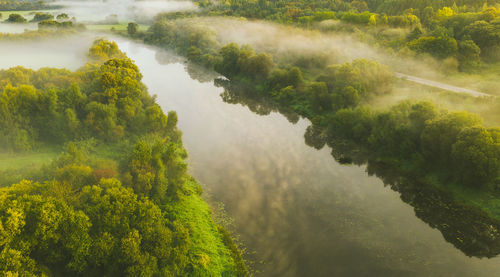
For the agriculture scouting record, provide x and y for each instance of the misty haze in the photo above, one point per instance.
(250, 138)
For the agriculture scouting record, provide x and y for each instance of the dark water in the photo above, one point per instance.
(298, 211)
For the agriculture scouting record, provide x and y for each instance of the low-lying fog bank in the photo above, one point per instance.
(68, 52)
(17, 28)
(335, 48)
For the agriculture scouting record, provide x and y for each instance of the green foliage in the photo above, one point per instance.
(486, 36)
(74, 223)
(16, 18)
(476, 156)
(317, 17)
(244, 61)
(357, 18)
(439, 47)
(441, 133)
(132, 28)
(54, 24)
(81, 216)
(444, 27)
(105, 101)
(156, 167)
(40, 16)
(62, 17)
(27, 5)
(210, 252)
(417, 133)
(455, 143)
(103, 50)
(468, 55)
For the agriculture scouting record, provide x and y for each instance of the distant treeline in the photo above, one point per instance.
(14, 5)
(467, 31)
(289, 11)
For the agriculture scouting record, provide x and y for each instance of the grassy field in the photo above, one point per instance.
(10, 160)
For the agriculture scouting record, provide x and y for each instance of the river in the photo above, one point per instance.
(302, 213)
(297, 211)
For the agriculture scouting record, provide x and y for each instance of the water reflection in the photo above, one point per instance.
(300, 211)
(467, 228)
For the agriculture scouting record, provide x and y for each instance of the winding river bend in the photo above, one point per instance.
(298, 211)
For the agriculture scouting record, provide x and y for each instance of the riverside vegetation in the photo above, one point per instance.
(450, 150)
(445, 163)
(117, 201)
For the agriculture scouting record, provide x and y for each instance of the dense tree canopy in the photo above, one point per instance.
(136, 214)
(15, 18)
(438, 28)
(106, 101)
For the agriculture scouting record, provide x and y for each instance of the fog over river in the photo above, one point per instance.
(298, 211)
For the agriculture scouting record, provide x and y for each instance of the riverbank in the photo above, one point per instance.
(402, 136)
(297, 211)
(130, 169)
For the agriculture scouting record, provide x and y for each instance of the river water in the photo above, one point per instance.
(298, 211)
(302, 213)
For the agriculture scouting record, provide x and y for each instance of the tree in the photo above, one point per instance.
(230, 55)
(486, 36)
(62, 16)
(476, 157)
(16, 18)
(441, 133)
(427, 15)
(439, 47)
(320, 99)
(259, 66)
(42, 16)
(468, 55)
(132, 28)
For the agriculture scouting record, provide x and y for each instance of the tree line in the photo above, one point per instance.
(27, 5)
(465, 31)
(453, 147)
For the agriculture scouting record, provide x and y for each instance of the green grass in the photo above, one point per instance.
(12, 160)
(208, 251)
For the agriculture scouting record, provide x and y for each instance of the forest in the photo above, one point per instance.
(466, 31)
(128, 213)
(95, 176)
(12, 5)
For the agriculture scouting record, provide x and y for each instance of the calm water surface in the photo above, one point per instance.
(298, 211)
